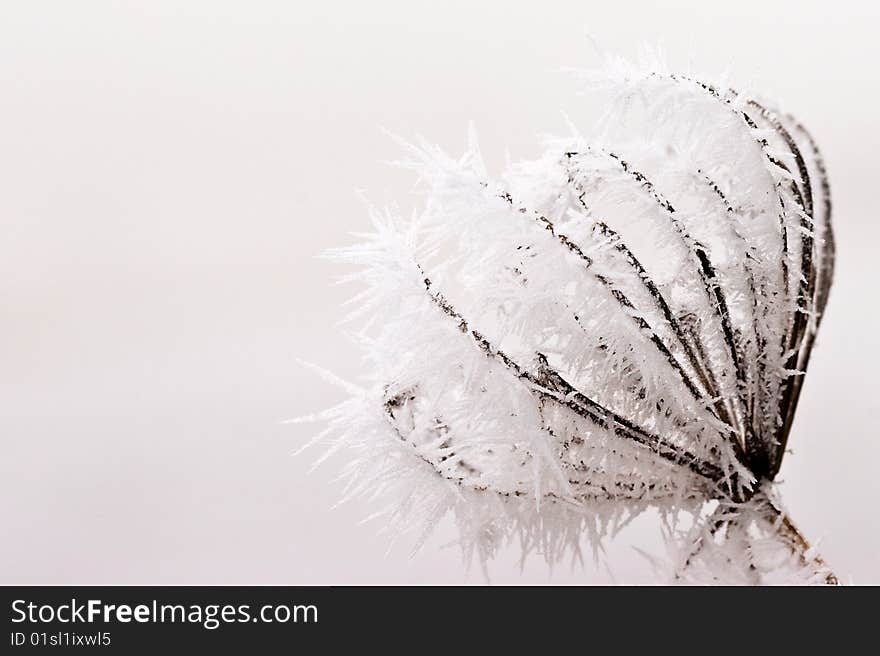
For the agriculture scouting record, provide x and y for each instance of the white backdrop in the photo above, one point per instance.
(168, 172)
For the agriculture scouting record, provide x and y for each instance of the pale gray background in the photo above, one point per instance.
(168, 172)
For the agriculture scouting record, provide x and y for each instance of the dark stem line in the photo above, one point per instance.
(709, 383)
(806, 287)
(824, 277)
(826, 270)
(790, 389)
(641, 323)
(648, 283)
(588, 489)
(753, 442)
(717, 301)
(717, 408)
(549, 384)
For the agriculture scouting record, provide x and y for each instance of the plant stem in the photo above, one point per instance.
(801, 546)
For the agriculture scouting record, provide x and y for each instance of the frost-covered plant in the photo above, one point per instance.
(622, 324)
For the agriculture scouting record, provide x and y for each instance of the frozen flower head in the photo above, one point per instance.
(623, 323)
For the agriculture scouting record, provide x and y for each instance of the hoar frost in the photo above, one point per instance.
(622, 324)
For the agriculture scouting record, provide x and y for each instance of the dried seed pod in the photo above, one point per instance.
(621, 324)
